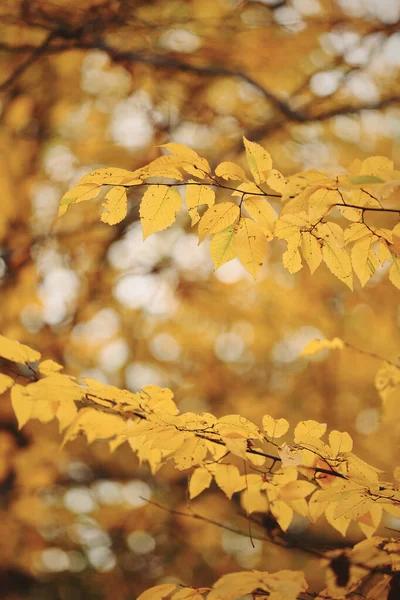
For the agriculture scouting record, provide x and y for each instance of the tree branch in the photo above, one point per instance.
(39, 51)
(168, 62)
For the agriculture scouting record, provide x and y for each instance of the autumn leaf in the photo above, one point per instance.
(221, 247)
(158, 208)
(80, 193)
(200, 480)
(262, 212)
(310, 428)
(158, 592)
(250, 245)
(190, 160)
(258, 159)
(228, 478)
(311, 250)
(115, 204)
(16, 352)
(363, 258)
(340, 442)
(277, 182)
(196, 196)
(316, 345)
(217, 218)
(230, 171)
(394, 272)
(274, 428)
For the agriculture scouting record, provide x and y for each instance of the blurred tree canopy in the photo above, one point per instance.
(101, 83)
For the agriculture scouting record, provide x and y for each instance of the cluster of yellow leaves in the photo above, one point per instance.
(345, 569)
(274, 586)
(309, 205)
(344, 488)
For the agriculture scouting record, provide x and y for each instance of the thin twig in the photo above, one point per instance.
(10, 81)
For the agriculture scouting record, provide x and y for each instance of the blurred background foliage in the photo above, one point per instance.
(94, 83)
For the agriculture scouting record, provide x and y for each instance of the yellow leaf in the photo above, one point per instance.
(351, 214)
(235, 444)
(238, 425)
(340, 523)
(338, 262)
(311, 250)
(158, 208)
(394, 272)
(115, 204)
(331, 233)
(274, 428)
(340, 442)
(369, 522)
(66, 413)
(283, 513)
(306, 429)
(217, 218)
(22, 409)
(41, 400)
(158, 399)
(163, 166)
(230, 171)
(253, 500)
(113, 176)
(198, 195)
(317, 345)
(289, 229)
(95, 425)
(191, 161)
(189, 594)
(246, 189)
(16, 352)
(200, 480)
(355, 232)
(360, 470)
(262, 212)
(49, 367)
(250, 245)
(320, 202)
(259, 160)
(221, 247)
(384, 252)
(282, 585)
(396, 239)
(277, 182)
(190, 454)
(228, 478)
(364, 260)
(354, 505)
(295, 490)
(374, 164)
(5, 383)
(80, 193)
(292, 260)
(158, 592)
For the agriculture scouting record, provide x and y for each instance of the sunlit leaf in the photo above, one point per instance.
(250, 245)
(217, 218)
(158, 208)
(115, 205)
(16, 352)
(258, 159)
